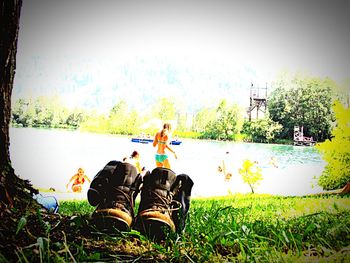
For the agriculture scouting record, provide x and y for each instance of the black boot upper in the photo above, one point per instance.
(156, 194)
(117, 186)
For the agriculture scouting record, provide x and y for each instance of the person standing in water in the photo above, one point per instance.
(162, 140)
(225, 168)
(78, 180)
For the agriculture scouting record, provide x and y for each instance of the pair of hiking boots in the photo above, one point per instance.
(164, 204)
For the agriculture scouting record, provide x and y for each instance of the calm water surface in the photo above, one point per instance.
(48, 158)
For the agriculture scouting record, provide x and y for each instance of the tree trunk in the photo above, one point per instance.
(13, 190)
(251, 188)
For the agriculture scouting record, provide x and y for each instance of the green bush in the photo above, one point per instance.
(336, 151)
(261, 130)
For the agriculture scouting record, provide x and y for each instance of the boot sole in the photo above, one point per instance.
(110, 223)
(154, 228)
(111, 219)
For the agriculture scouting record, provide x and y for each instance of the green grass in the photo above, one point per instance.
(259, 227)
(238, 228)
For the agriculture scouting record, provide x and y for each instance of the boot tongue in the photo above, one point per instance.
(156, 191)
(161, 178)
(124, 175)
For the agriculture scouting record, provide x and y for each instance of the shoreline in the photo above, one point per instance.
(129, 136)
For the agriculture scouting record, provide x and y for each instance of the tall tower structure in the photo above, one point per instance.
(257, 101)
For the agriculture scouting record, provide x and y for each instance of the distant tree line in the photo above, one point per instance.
(297, 100)
(47, 112)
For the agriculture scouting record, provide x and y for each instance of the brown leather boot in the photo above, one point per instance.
(154, 218)
(116, 211)
(100, 185)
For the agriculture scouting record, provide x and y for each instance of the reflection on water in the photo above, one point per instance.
(48, 158)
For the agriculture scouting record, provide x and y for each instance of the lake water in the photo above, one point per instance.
(48, 158)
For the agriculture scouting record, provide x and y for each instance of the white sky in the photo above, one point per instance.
(79, 36)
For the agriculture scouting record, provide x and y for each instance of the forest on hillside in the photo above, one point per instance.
(295, 101)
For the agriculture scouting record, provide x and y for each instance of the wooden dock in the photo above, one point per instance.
(307, 141)
(300, 139)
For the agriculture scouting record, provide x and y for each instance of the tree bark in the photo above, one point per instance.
(251, 188)
(10, 185)
(10, 13)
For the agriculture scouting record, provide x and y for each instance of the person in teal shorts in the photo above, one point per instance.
(162, 140)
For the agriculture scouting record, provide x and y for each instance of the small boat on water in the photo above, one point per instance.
(148, 140)
(141, 140)
(175, 142)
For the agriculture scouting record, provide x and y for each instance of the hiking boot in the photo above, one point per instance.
(96, 194)
(117, 209)
(154, 217)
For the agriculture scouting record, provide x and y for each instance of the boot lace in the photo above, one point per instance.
(163, 204)
(124, 203)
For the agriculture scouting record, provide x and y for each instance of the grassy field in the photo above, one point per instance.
(237, 228)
